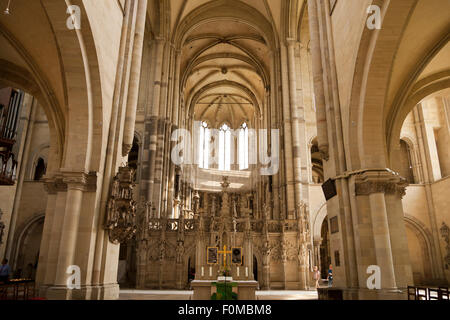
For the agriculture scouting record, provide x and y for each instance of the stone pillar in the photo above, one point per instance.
(135, 75)
(317, 68)
(68, 243)
(46, 238)
(397, 231)
(374, 187)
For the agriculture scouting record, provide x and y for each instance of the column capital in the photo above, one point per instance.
(80, 181)
(380, 181)
(54, 185)
(71, 180)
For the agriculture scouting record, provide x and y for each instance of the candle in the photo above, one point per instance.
(238, 271)
(246, 272)
(203, 272)
(210, 271)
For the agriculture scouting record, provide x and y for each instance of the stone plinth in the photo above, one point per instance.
(202, 289)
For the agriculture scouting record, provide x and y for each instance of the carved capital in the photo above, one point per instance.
(54, 185)
(86, 182)
(380, 181)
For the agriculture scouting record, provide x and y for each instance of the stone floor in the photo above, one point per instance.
(131, 294)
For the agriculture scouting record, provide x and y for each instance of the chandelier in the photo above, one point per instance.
(121, 210)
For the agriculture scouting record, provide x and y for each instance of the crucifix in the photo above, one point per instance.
(224, 254)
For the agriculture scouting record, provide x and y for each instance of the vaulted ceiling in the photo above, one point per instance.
(226, 50)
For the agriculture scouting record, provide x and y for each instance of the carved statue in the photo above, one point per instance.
(213, 206)
(234, 205)
(265, 250)
(162, 250)
(180, 252)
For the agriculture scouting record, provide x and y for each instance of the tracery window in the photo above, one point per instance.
(225, 148)
(204, 138)
(243, 147)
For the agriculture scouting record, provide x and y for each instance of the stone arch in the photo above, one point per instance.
(425, 239)
(318, 220)
(406, 160)
(35, 84)
(83, 94)
(22, 241)
(228, 83)
(374, 63)
(420, 91)
(259, 258)
(231, 9)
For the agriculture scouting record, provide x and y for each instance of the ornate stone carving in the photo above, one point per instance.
(387, 182)
(86, 182)
(121, 210)
(180, 252)
(445, 233)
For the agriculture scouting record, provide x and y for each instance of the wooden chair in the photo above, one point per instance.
(421, 293)
(433, 294)
(443, 293)
(4, 288)
(29, 290)
(412, 292)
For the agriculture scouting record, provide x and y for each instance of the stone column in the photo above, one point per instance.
(397, 231)
(46, 237)
(374, 185)
(135, 75)
(69, 242)
(317, 68)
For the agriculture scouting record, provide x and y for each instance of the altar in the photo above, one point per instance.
(205, 289)
(225, 281)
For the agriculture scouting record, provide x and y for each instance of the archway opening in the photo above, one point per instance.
(28, 250)
(325, 251)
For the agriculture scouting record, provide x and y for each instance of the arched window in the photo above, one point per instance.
(225, 148)
(40, 169)
(243, 147)
(405, 162)
(204, 138)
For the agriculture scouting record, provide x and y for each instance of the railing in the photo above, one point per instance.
(257, 225)
(425, 293)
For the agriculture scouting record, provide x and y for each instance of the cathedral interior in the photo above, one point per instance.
(136, 134)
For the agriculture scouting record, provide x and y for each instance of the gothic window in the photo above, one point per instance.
(40, 169)
(243, 147)
(405, 162)
(225, 148)
(204, 138)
